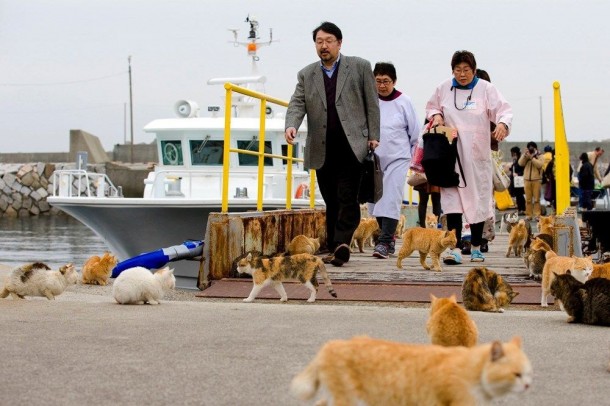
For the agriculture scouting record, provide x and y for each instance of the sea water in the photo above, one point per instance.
(55, 240)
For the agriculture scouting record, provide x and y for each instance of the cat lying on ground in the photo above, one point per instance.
(272, 271)
(366, 371)
(486, 291)
(38, 280)
(581, 269)
(301, 244)
(97, 270)
(587, 303)
(426, 241)
(449, 324)
(138, 285)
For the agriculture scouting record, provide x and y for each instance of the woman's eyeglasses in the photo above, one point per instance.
(383, 82)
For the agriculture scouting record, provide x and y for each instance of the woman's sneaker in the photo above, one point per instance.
(477, 256)
(381, 251)
(454, 257)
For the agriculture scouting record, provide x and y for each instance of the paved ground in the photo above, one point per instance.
(84, 349)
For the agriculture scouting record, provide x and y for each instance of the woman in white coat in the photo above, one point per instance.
(469, 104)
(399, 132)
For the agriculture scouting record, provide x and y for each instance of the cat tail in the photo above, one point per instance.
(326, 279)
(305, 385)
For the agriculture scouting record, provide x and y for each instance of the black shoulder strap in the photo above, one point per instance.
(457, 154)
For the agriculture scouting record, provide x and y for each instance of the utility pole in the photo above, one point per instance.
(541, 134)
(130, 111)
(124, 123)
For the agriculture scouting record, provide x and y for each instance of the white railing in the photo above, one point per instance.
(80, 183)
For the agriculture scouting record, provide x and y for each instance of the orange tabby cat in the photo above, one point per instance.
(96, 270)
(364, 233)
(545, 224)
(401, 226)
(449, 323)
(426, 241)
(301, 244)
(431, 220)
(517, 239)
(366, 371)
(601, 271)
(580, 268)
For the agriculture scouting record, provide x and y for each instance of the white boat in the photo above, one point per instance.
(186, 184)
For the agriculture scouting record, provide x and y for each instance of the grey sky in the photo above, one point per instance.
(176, 46)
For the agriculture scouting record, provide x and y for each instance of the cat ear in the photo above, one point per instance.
(496, 351)
(517, 341)
(432, 298)
(453, 298)
(567, 272)
(249, 257)
(513, 295)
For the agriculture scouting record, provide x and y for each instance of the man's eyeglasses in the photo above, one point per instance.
(327, 41)
(385, 82)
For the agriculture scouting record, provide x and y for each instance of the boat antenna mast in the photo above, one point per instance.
(253, 44)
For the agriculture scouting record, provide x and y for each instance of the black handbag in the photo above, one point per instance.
(371, 182)
(439, 159)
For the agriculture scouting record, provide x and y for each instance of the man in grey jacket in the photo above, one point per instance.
(338, 95)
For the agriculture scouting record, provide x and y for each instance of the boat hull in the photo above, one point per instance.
(131, 227)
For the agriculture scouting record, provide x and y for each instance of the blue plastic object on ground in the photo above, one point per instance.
(159, 258)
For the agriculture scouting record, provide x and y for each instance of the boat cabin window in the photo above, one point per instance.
(252, 160)
(295, 152)
(206, 152)
(172, 152)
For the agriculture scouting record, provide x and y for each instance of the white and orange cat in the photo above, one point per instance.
(431, 220)
(449, 323)
(37, 279)
(580, 268)
(517, 239)
(426, 241)
(364, 233)
(301, 244)
(96, 270)
(138, 285)
(367, 371)
(273, 271)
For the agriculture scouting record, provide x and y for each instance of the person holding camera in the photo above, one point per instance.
(532, 162)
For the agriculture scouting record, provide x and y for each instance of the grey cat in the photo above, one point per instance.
(587, 303)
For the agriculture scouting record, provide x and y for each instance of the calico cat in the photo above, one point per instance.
(367, 371)
(535, 258)
(138, 285)
(431, 220)
(600, 271)
(96, 270)
(38, 279)
(302, 244)
(449, 324)
(580, 268)
(426, 241)
(486, 291)
(587, 303)
(364, 233)
(517, 239)
(272, 271)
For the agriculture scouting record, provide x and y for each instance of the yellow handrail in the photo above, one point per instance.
(562, 155)
(229, 87)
